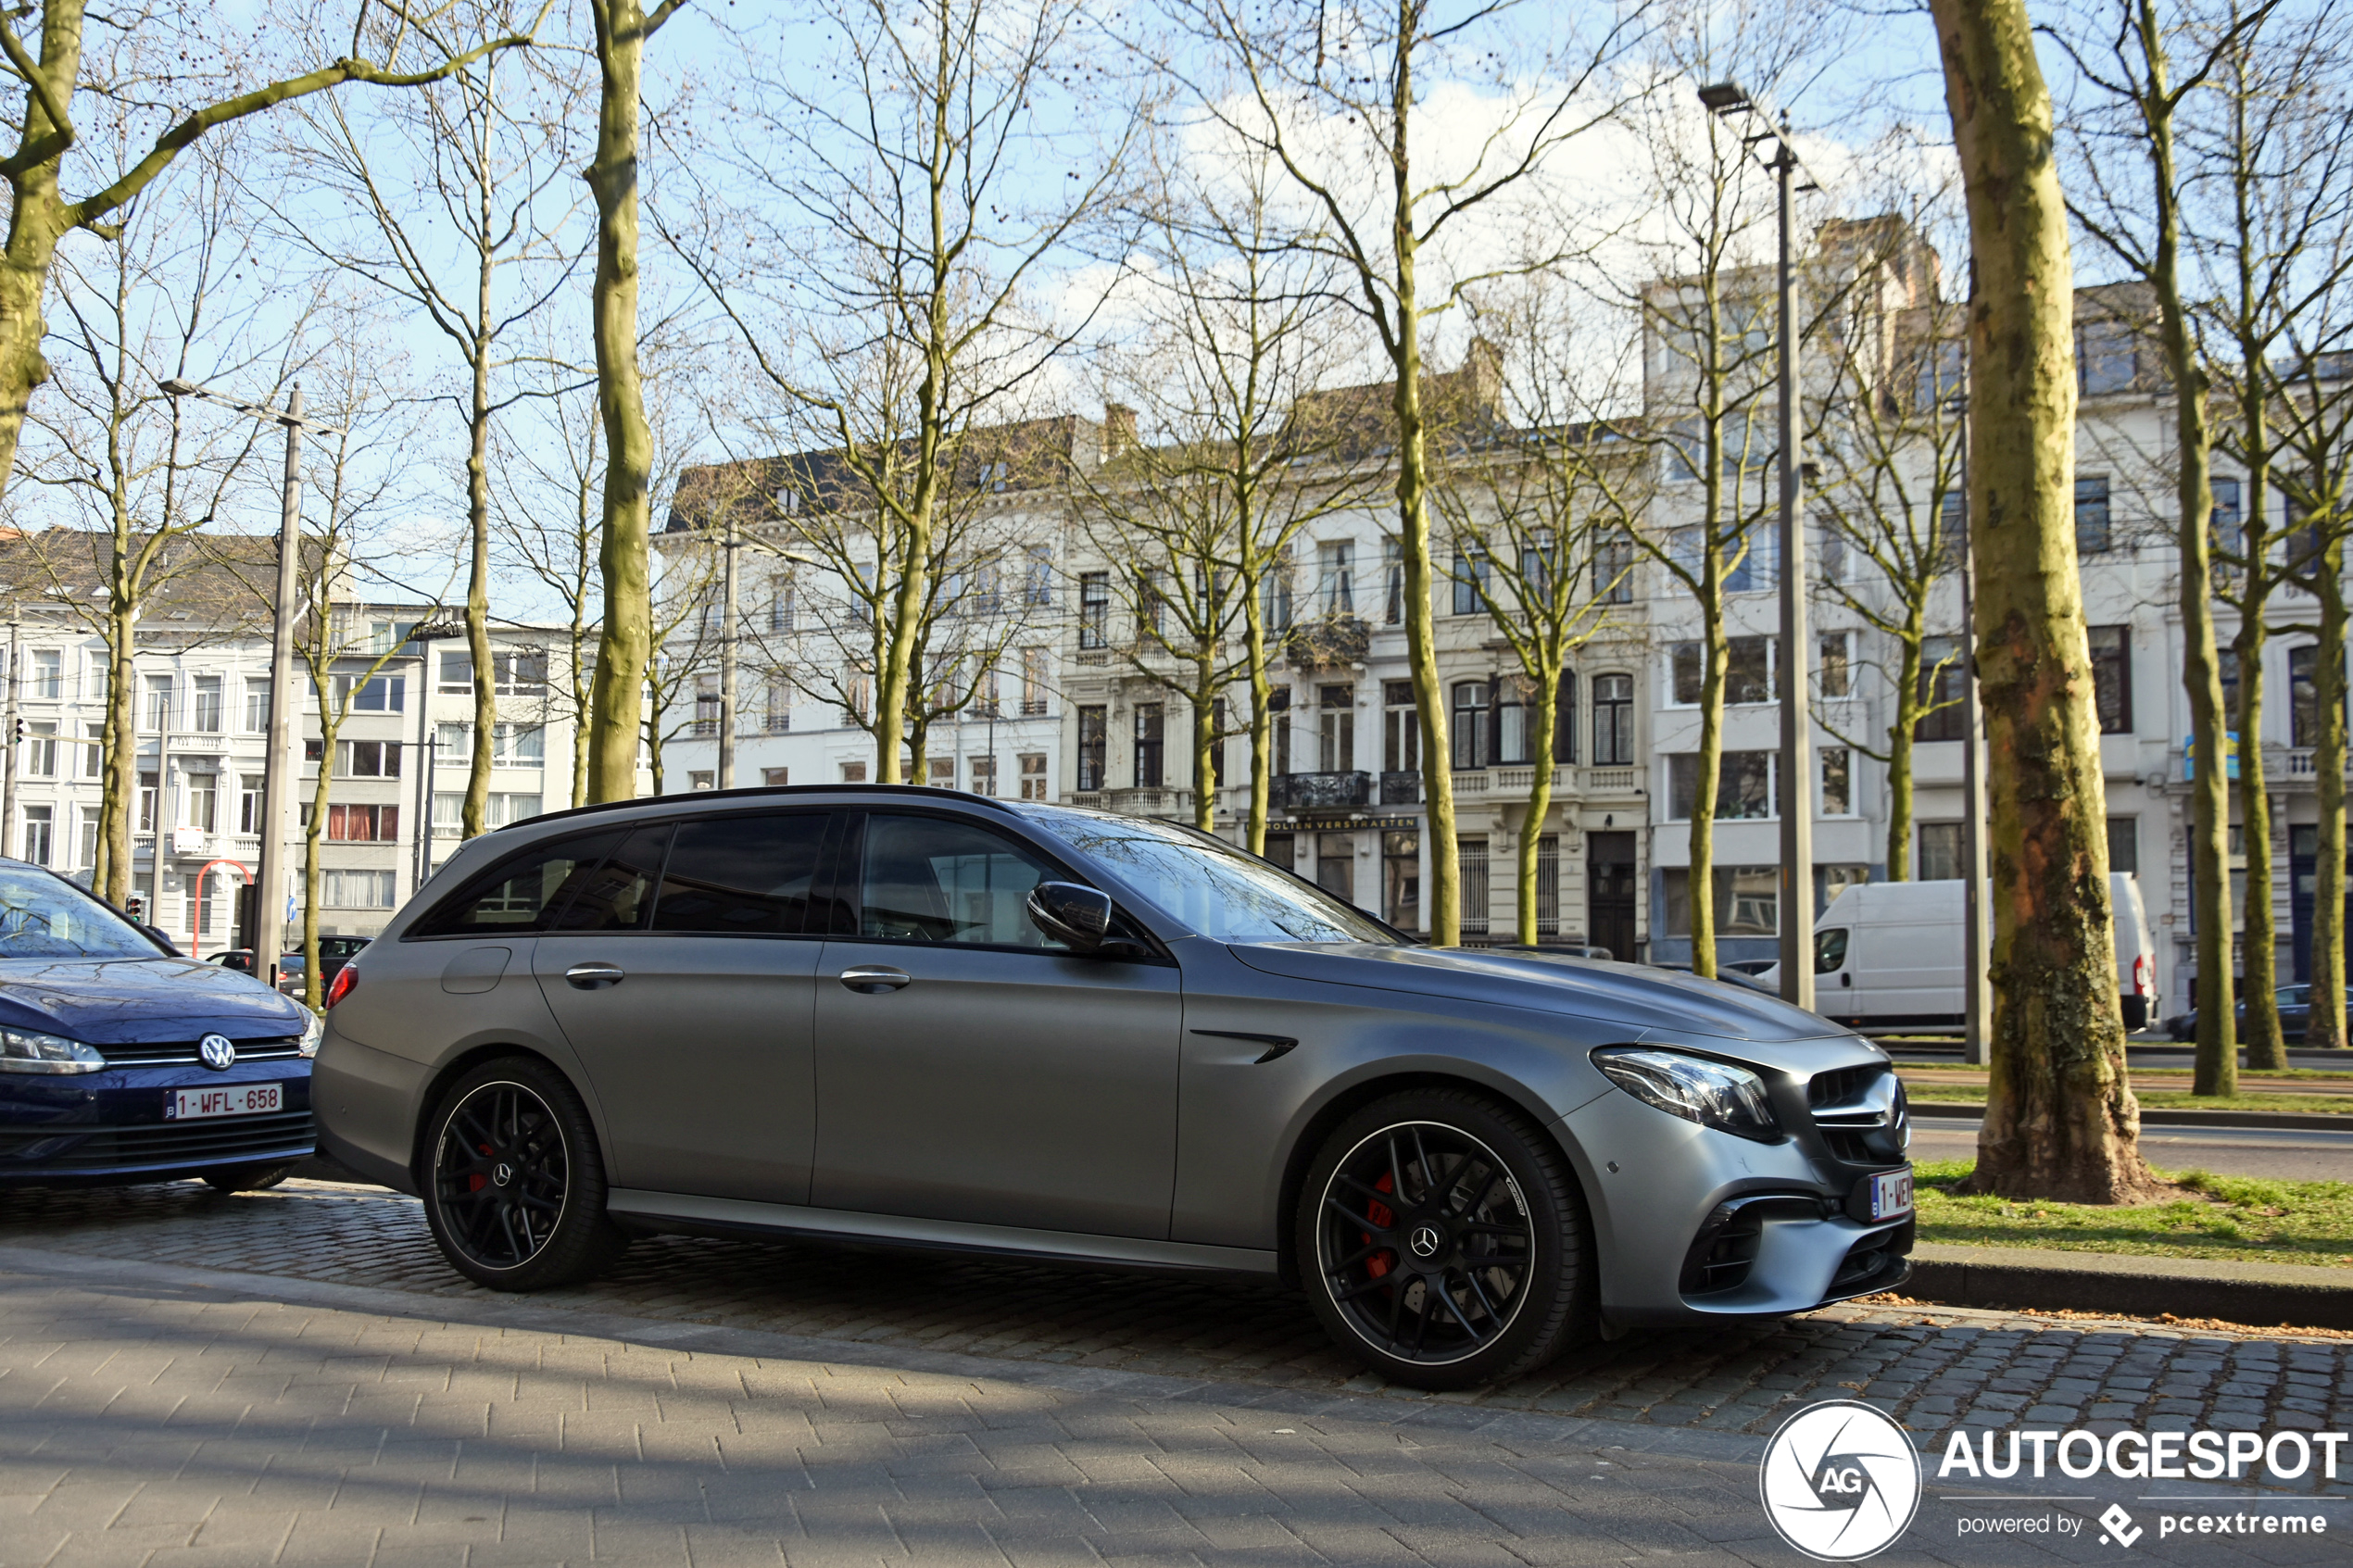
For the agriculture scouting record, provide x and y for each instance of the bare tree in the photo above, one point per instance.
(1334, 91)
(179, 47)
(2060, 1119)
(544, 505)
(462, 224)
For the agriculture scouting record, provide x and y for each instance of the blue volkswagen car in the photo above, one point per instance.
(122, 1062)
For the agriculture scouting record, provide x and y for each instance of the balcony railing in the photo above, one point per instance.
(1322, 792)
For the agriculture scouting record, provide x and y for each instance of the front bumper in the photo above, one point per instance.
(1694, 1225)
(102, 1128)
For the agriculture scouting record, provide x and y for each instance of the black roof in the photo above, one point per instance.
(766, 792)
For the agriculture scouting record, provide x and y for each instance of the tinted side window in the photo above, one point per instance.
(927, 879)
(617, 895)
(519, 895)
(746, 875)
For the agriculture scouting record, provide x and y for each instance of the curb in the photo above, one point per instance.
(2310, 1119)
(2034, 1279)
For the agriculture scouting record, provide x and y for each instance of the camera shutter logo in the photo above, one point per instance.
(1840, 1480)
(217, 1052)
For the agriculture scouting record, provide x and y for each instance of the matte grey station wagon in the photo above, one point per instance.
(906, 1017)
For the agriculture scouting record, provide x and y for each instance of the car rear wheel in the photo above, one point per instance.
(515, 1187)
(246, 1178)
(1443, 1239)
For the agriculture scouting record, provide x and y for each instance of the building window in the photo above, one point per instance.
(775, 778)
(204, 709)
(249, 793)
(1548, 886)
(708, 707)
(1401, 742)
(204, 801)
(1279, 728)
(1033, 774)
(2112, 678)
(854, 772)
(1392, 572)
(2092, 532)
(48, 674)
(1038, 577)
(1471, 714)
(780, 605)
(88, 848)
(1336, 729)
(1752, 561)
(1940, 851)
(1336, 865)
(1335, 572)
(982, 772)
(1033, 682)
(380, 693)
(1094, 745)
(1940, 676)
(1151, 744)
(1094, 609)
(38, 824)
(41, 752)
(523, 673)
(1273, 593)
(93, 752)
(778, 718)
(2124, 845)
(1282, 849)
(857, 693)
(1613, 720)
(1401, 879)
(1471, 862)
(148, 792)
(942, 770)
(1748, 670)
(363, 825)
(457, 670)
(1743, 785)
(2105, 361)
(158, 703)
(1564, 719)
(1470, 576)
(1746, 901)
(519, 745)
(2303, 695)
(1511, 719)
(367, 758)
(256, 706)
(355, 890)
(1614, 569)
(2229, 529)
(1838, 782)
(1834, 663)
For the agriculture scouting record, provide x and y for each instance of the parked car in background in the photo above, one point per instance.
(334, 953)
(909, 1017)
(238, 959)
(121, 1063)
(2294, 1004)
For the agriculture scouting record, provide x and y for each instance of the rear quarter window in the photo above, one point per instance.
(523, 892)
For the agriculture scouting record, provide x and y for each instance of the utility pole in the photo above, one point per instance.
(727, 660)
(1724, 99)
(424, 635)
(1973, 945)
(281, 772)
(8, 771)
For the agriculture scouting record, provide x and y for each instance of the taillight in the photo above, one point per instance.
(346, 978)
(2143, 976)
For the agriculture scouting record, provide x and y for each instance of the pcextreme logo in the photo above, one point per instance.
(1840, 1480)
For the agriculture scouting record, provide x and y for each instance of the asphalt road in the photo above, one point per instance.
(2282, 1153)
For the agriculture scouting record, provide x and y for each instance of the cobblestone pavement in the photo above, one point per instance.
(1934, 1369)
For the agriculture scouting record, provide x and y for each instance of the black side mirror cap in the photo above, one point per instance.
(1070, 913)
(160, 940)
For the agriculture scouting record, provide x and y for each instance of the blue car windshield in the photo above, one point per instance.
(1212, 888)
(42, 917)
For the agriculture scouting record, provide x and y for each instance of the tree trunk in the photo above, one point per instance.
(1700, 881)
(118, 794)
(2326, 1028)
(1901, 741)
(624, 643)
(37, 221)
(1262, 721)
(2266, 1048)
(1204, 739)
(1539, 796)
(329, 722)
(477, 813)
(2060, 1119)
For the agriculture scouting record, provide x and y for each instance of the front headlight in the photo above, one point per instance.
(22, 1051)
(313, 1028)
(1714, 1094)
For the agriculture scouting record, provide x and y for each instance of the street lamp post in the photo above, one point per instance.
(1724, 99)
(278, 767)
(1973, 945)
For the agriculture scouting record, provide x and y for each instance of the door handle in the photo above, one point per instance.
(869, 979)
(589, 976)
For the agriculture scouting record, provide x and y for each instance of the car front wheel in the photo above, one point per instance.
(1443, 1239)
(514, 1187)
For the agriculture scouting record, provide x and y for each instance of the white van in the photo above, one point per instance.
(1888, 955)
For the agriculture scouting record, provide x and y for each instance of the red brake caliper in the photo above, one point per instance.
(1379, 1262)
(476, 1181)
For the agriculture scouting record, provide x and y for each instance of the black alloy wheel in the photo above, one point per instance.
(515, 1193)
(1443, 1240)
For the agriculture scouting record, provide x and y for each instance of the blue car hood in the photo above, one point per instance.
(141, 1002)
(1655, 1004)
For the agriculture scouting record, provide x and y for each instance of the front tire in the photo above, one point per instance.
(1443, 1240)
(514, 1186)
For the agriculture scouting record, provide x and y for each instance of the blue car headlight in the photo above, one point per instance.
(1714, 1094)
(24, 1051)
(314, 1028)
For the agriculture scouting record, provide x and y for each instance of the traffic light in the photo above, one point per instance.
(17, 734)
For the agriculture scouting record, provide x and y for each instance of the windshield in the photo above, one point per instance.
(1212, 888)
(43, 918)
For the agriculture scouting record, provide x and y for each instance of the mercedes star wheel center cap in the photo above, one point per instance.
(217, 1052)
(1424, 1241)
(502, 1173)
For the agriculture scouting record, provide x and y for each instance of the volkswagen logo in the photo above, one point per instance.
(1424, 1241)
(1841, 1480)
(502, 1174)
(217, 1052)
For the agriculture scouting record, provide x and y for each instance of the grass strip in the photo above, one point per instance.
(2232, 1219)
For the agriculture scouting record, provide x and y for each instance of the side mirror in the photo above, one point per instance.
(160, 940)
(1067, 912)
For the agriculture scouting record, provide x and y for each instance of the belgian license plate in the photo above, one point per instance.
(1891, 1194)
(229, 1099)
